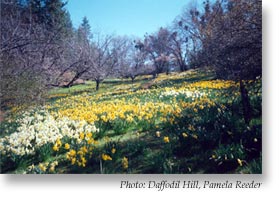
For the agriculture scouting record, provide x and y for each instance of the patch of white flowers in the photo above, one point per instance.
(186, 93)
(38, 129)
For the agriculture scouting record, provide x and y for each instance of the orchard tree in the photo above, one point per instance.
(77, 54)
(158, 51)
(180, 50)
(230, 37)
(31, 40)
(239, 54)
(133, 63)
(103, 58)
(187, 37)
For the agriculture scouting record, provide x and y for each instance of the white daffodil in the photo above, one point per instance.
(43, 128)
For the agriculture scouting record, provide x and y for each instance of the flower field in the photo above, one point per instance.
(179, 123)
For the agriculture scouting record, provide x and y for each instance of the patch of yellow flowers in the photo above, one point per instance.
(214, 84)
(46, 167)
(84, 147)
(88, 108)
(123, 110)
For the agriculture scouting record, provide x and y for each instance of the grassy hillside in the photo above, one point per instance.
(179, 123)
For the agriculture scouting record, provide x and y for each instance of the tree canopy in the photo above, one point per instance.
(39, 43)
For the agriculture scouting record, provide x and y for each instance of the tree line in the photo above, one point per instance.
(39, 46)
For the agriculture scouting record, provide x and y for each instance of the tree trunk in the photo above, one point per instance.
(154, 75)
(76, 77)
(168, 70)
(183, 67)
(97, 84)
(72, 81)
(133, 79)
(2, 116)
(245, 103)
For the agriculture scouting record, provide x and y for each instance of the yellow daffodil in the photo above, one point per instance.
(67, 146)
(55, 148)
(84, 149)
(81, 136)
(88, 135)
(42, 167)
(195, 136)
(239, 162)
(113, 150)
(73, 161)
(106, 157)
(52, 169)
(166, 139)
(58, 143)
(125, 163)
(72, 153)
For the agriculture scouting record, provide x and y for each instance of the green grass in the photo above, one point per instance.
(109, 85)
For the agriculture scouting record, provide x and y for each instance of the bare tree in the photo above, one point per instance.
(157, 47)
(230, 37)
(103, 58)
(132, 59)
(29, 48)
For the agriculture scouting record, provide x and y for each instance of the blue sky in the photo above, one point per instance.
(125, 17)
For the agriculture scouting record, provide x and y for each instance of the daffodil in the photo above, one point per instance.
(88, 135)
(67, 146)
(73, 160)
(72, 153)
(239, 162)
(55, 148)
(106, 157)
(195, 136)
(184, 135)
(58, 143)
(42, 167)
(81, 136)
(84, 149)
(158, 133)
(125, 163)
(113, 150)
(166, 139)
(52, 169)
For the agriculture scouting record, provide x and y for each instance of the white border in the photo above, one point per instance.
(92, 185)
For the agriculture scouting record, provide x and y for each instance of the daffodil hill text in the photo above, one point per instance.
(178, 123)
